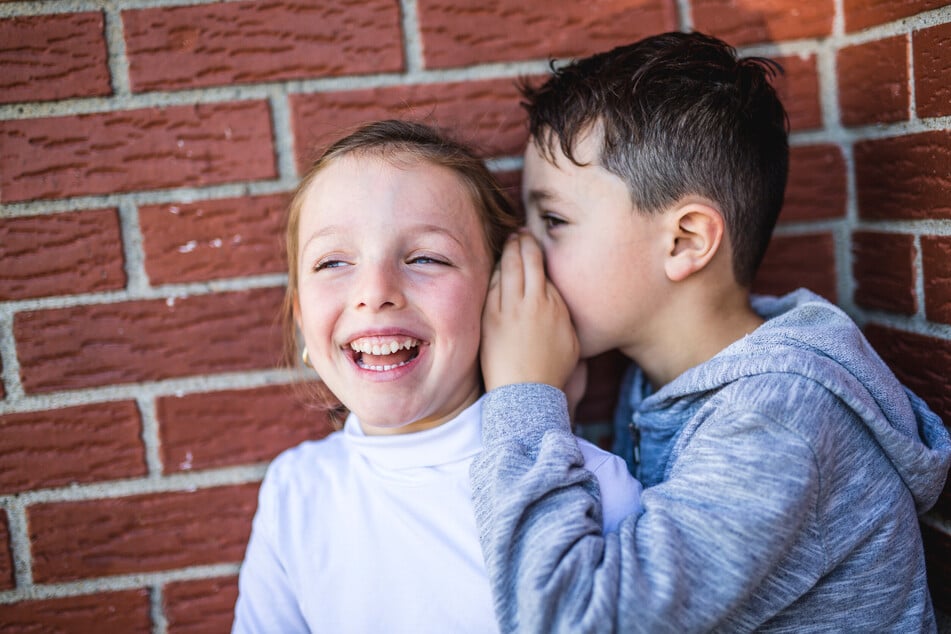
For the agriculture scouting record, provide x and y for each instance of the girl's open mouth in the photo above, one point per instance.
(380, 354)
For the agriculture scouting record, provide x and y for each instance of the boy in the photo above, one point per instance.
(784, 465)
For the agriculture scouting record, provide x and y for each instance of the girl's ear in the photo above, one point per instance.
(696, 233)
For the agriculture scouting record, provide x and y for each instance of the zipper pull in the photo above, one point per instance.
(636, 440)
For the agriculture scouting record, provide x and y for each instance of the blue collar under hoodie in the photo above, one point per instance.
(803, 335)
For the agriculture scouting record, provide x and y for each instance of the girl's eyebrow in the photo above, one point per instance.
(332, 230)
(541, 195)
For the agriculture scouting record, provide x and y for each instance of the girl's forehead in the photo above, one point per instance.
(373, 190)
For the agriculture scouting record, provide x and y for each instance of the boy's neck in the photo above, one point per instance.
(694, 326)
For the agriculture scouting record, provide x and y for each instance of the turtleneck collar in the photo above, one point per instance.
(454, 440)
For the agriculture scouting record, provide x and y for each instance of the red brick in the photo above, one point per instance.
(938, 560)
(201, 431)
(798, 88)
(861, 14)
(873, 82)
(87, 443)
(201, 606)
(463, 32)
(126, 611)
(171, 48)
(7, 575)
(936, 265)
(47, 57)
(905, 177)
(61, 254)
(883, 266)
(149, 340)
(131, 150)
(932, 49)
(143, 533)
(604, 380)
(816, 187)
(740, 22)
(922, 363)
(213, 239)
(792, 262)
(484, 113)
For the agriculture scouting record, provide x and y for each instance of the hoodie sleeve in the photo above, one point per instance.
(702, 545)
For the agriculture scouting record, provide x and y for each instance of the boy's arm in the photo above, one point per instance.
(702, 547)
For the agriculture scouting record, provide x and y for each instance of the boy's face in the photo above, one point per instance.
(604, 257)
(393, 272)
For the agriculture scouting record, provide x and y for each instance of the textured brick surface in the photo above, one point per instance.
(883, 266)
(932, 49)
(201, 606)
(816, 187)
(7, 577)
(937, 549)
(904, 177)
(799, 261)
(243, 42)
(604, 379)
(461, 32)
(213, 239)
(87, 346)
(936, 265)
(484, 113)
(141, 533)
(48, 57)
(921, 362)
(200, 431)
(130, 150)
(861, 14)
(764, 20)
(126, 612)
(87, 443)
(798, 88)
(61, 254)
(873, 82)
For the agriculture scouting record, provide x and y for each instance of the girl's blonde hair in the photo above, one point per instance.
(401, 143)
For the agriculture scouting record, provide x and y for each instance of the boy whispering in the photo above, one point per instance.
(784, 465)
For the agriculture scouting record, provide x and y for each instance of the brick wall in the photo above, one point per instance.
(146, 151)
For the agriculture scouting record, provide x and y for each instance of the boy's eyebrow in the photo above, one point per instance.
(541, 195)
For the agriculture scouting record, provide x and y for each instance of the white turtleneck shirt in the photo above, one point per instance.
(357, 533)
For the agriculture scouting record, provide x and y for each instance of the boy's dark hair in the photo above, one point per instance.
(680, 114)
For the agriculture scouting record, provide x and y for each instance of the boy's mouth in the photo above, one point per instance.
(380, 354)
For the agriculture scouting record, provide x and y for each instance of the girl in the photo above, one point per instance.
(391, 241)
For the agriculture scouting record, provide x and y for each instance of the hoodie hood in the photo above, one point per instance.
(806, 335)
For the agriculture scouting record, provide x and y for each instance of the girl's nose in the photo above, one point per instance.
(379, 287)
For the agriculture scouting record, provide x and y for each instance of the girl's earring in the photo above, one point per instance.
(305, 358)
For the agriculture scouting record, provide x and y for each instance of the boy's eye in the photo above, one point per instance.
(551, 221)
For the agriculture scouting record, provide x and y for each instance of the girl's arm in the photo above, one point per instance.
(266, 598)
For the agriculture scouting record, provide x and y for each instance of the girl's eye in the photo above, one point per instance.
(425, 259)
(329, 264)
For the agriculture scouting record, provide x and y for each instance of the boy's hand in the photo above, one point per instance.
(527, 336)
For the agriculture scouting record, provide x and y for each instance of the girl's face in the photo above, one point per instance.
(393, 272)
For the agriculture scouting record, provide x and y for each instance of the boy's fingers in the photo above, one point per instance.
(493, 298)
(511, 278)
(533, 263)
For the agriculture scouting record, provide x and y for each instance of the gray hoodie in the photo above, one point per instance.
(783, 482)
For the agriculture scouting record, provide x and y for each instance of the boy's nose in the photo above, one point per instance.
(379, 287)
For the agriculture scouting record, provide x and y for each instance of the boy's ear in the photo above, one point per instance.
(696, 232)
